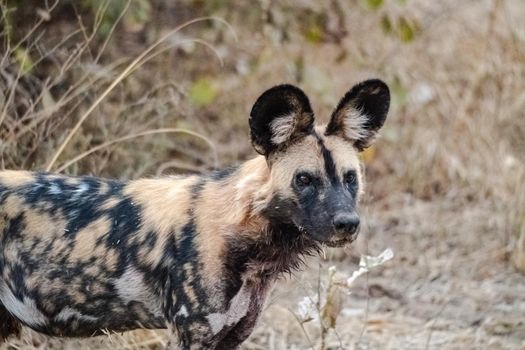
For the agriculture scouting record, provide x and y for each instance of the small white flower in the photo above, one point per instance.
(307, 309)
(367, 262)
(332, 270)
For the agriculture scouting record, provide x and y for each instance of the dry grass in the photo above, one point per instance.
(446, 180)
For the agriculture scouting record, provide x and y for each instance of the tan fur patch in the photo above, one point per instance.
(14, 178)
(42, 224)
(210, 238)
(13, 206)
(86, 239)
(165, 203)
(103, 189)
(110, 259)
(109, 203)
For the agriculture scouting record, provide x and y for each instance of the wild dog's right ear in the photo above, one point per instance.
(280, 116)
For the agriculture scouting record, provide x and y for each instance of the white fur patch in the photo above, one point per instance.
(217, 322)
(81, 189)
(54, 189)
(354, 124)
(282, 128)
(183, 311)
(69, 314)
(25, 310)
(131, 287)
(238, 308)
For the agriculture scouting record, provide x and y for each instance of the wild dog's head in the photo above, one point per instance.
(315, 172)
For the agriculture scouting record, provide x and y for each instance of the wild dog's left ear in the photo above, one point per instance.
(361, 113)
(280, 116)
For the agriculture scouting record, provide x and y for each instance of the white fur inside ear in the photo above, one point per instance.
(354, 122)
(282, 128)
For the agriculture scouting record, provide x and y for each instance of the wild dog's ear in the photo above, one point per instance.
(361, 113)
(280, 116)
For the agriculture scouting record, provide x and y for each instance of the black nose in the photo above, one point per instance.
(348, 222)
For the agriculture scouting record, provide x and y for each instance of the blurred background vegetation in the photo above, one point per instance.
(86, 87)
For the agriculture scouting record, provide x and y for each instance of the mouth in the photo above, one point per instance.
(335, 243)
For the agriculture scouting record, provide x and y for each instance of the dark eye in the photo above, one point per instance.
(303, 180)
(350, 178)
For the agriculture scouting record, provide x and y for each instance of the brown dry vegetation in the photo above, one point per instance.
(446, 179)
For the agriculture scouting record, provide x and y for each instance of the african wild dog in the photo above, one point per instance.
(79, 255)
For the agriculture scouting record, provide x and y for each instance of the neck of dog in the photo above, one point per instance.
(242, 200)
(239, 196)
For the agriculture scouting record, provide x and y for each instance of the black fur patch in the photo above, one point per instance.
(9, 326)
(282, 251)
(223, 174)
(329, 164)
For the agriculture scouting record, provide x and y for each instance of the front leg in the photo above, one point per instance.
(215, 330)
(239, 333)
(242, 330)
(193, 333)
(198, 336)
(225, 325)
